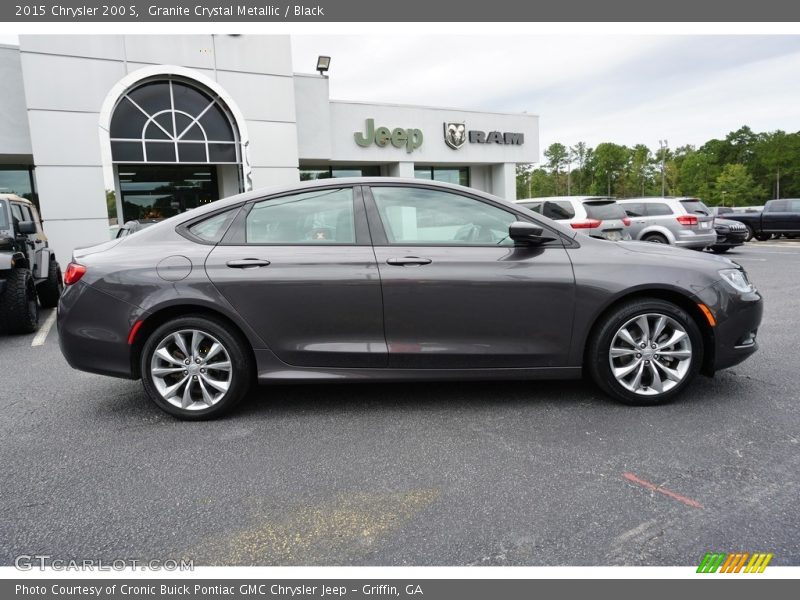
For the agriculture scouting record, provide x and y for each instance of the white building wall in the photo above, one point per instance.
(15, 138)
(67, 78)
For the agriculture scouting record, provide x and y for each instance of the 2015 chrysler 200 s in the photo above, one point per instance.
(392, 279)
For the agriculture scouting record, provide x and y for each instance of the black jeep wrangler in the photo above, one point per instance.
(28, 268)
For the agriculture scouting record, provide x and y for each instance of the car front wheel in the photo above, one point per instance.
(195, 368)
(646, 352)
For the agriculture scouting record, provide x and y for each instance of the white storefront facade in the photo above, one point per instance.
(146, 126)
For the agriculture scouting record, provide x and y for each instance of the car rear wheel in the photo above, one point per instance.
(19, 310)
(195, 368)
(655, 238)
(646, 352)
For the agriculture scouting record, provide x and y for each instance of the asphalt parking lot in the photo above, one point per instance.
(411, 474)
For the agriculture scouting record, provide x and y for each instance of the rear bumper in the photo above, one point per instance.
(93, 331)
(691, 239)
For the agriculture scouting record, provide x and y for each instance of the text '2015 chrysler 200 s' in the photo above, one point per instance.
(392, 279)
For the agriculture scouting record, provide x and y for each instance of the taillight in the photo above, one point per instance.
(687, 220)
(626, 221)
(73, 273)
(587, 224)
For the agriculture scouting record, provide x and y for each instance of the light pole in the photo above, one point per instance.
(663, 144)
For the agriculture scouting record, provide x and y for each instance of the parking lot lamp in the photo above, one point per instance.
(663, 145)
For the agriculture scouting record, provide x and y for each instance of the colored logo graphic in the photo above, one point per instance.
(743, 562)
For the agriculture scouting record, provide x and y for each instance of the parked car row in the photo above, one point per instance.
(682, 222)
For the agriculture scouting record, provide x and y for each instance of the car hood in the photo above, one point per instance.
(663, 252)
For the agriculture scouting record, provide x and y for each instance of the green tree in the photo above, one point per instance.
(557, 156)
(609, 163)
(735, 187)
(111, 205)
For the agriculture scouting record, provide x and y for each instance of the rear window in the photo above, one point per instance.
(696, 207)
(558, 210)
(604, 210)
(534, 206)
(3, 215)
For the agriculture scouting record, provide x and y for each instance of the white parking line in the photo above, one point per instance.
(40, 337)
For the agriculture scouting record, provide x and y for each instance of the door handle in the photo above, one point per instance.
(406, 261)
(247, 263)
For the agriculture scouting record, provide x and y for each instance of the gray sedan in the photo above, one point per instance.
(392, 279)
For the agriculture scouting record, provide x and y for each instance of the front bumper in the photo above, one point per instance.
(738, 317)
(730, 239)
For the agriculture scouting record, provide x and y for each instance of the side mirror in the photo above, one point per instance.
(27, 228)
(527, 234)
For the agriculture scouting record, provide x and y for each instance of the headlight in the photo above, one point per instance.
(737, 279)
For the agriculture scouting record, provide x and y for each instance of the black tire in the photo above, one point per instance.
(598, 350)
(242, 367)
(19, 310)
(720, 249)
(49, 290)
(750, 233)
(763, 237)
(655, 238)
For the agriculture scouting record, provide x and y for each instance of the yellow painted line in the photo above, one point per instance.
(766, 562)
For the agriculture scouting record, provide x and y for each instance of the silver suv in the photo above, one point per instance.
(683, 222)
(596, 216)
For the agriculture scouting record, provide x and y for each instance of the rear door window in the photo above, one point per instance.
(657, 209)
(634, 209)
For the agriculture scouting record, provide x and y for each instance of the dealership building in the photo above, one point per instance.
(145, 126)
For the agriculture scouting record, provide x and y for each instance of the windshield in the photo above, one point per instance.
(3, 215)
(696, 207)
(604, 210)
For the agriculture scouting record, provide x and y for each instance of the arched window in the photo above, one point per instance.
(172, 121)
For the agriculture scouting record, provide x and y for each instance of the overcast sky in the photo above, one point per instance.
(622, 88)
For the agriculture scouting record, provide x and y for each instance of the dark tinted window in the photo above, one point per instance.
(213, 228)
(634, 209)
(695, 207)
(318, 217)
(3, 215)
(604, 210)
(26, 213)
(723, 210)
(657, 209)
(558, 210)
(16, 212)
(534, 206)
(777, 206)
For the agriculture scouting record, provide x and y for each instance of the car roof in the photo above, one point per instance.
(15, 198)
(302, 186)
(660, 199)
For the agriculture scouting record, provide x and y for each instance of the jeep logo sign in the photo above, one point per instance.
(454, 136)
(411, 139)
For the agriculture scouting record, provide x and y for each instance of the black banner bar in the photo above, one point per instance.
(41, 11)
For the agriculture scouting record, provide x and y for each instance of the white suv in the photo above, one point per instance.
(597, 216)
(684, 222)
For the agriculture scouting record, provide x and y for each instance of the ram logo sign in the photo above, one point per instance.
(455, 134)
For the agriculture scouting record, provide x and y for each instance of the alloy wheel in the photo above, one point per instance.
(191, 369)
(650, 354)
